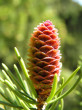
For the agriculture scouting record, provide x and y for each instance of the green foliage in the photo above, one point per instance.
(16, 95)
(17, 19)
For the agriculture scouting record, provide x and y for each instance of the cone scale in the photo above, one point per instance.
(44, 59)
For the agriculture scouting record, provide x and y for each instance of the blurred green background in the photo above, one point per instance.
(17, 21)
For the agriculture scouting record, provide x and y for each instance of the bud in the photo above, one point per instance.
(44, 59)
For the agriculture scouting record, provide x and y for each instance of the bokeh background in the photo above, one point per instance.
(17, 21)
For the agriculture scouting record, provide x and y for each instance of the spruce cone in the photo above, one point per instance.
(44, 59)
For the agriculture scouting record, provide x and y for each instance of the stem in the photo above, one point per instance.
(67, 92)
(22, 64)
(19, 77)
(11, 105)
(3, 94)
(54, 86)
(18, 93)
(24, 105)
(14, 79)
(6, 76)
(62, 104)
(55, 103)
(63, 85)
(59, 107)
